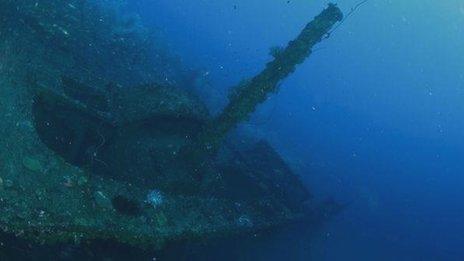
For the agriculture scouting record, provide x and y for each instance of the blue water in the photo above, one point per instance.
(374, 118)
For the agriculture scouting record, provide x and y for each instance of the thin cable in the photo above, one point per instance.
(352, 11)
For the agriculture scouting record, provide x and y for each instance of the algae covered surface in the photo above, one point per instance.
(95, 124)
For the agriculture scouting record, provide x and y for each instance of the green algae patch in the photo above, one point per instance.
(33, 164)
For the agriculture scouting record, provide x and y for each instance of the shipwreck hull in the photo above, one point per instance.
(68, 170)
(46, 199)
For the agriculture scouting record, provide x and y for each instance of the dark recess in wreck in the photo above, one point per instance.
(126, 206)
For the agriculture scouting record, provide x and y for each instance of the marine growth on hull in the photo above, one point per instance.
(102, 139)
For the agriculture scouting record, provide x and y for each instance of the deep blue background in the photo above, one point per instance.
(373, 118)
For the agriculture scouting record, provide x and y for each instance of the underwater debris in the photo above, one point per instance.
(82, 180)
(102, 200)
(68, 182)
(8, 183)
(155, 198)
(245, 221)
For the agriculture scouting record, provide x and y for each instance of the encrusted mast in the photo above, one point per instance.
(255, 92)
